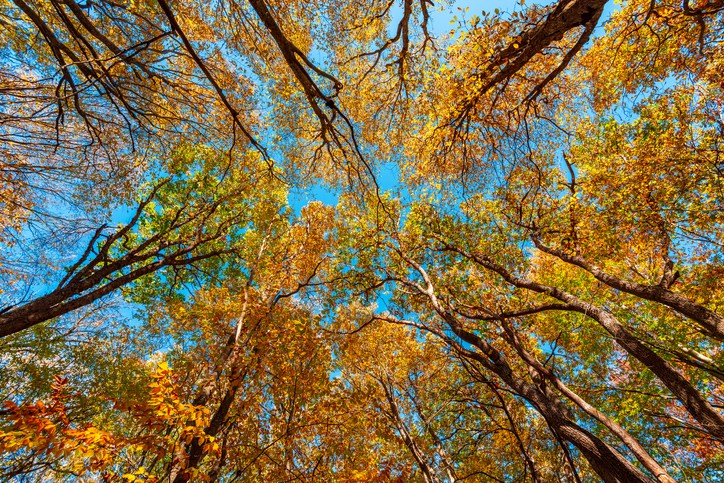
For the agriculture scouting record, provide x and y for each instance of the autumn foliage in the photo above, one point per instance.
(361, 241)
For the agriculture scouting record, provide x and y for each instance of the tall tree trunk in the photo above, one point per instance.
(699, 408)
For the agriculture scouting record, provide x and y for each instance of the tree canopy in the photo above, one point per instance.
(396, 240)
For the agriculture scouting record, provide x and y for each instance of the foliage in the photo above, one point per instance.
(334, 241)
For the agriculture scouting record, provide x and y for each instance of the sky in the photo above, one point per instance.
(441, 22)
(388, 172)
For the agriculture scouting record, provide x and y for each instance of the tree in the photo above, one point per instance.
(518, 280)
(180, 223)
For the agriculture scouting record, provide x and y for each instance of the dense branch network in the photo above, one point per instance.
(515, 277)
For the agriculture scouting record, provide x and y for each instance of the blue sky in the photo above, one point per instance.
(440, 24)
